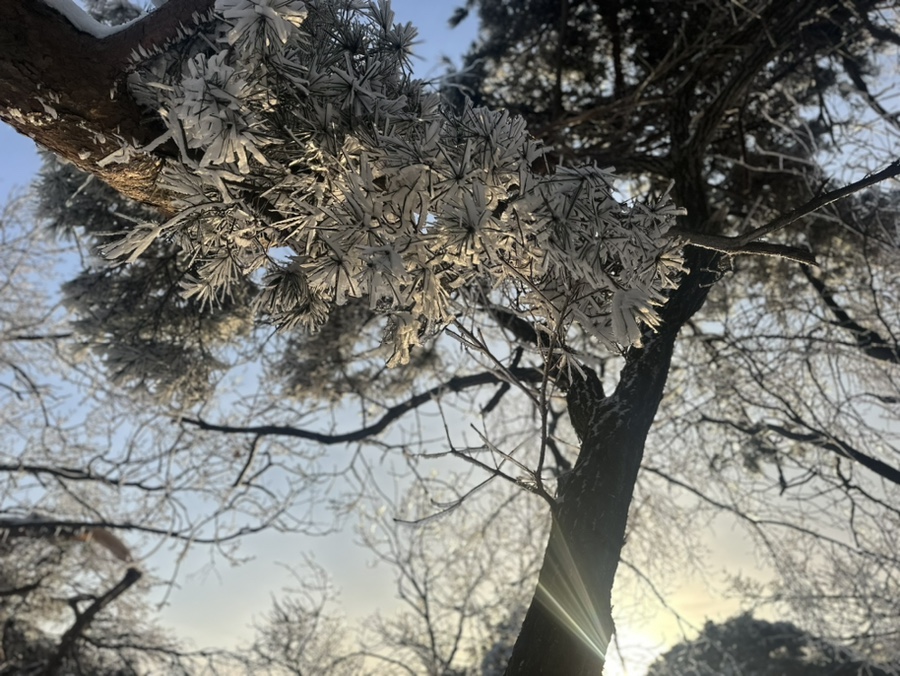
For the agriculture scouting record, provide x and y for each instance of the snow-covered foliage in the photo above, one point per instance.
(308, 160)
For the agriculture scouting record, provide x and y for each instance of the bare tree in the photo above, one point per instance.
(463, 581)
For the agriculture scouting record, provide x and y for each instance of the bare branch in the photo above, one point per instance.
(456, 384)
(740, 244)
(50, 528)
(821, 440)
(84, 619)
(870, 342)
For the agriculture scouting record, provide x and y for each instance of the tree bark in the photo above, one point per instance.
(569, 624)
(66, 89)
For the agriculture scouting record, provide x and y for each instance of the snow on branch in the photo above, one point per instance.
(83, 21)
(308, 159)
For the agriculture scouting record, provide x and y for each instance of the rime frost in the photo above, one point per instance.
(311, 160)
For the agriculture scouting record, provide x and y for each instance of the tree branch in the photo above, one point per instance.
(870, 342)
(747, 243)
(37, 337)
(54, 528)
(820, 440)
(76, 474)
(66, 89)
(521, 329)
(855, 73)
(456, 384)
(83, 621)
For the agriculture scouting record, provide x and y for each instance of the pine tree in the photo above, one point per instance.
(303, 180)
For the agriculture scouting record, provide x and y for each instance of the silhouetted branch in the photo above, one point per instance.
(77, 474)
(456, 384)
(50, 528)
(870, 342)
(747, 244)
(820, 440)
(84, 619)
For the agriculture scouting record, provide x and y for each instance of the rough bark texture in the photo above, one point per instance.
(65, 89)
(569, 625)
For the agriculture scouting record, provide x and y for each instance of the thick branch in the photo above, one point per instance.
(832, 445)
(521, 329)
(819, 440)
(785, 252)
(870, 342)
(772, 32)
(855, 72)
(740, 244)
(65, 89)
(84, 619)
(456, 384)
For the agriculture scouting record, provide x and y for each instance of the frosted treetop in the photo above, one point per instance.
(306, 158)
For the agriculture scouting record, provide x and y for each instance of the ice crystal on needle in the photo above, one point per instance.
(301, 131)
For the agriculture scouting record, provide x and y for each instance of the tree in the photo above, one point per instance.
(461, 602)
(777, 380)
(305, 180)
(73, 600)
(744, 645)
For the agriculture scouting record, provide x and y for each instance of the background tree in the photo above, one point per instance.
(744, 645)
(45, 584)
(73, 600)
(463, 582)
(320, 174)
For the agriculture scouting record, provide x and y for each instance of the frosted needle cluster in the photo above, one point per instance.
(310, 161)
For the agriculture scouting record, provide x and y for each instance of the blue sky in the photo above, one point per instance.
(18, 160)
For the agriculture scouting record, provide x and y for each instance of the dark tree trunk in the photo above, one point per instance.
(569, 625)
(66, 89)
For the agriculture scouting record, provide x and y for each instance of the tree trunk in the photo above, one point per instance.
(66, 89)
(569, 624)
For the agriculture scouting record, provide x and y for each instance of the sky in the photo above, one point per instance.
(215, 606)
(19, 160)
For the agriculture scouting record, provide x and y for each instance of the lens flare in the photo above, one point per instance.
(568, 600)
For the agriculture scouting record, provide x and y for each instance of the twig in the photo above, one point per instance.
(251, 456)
